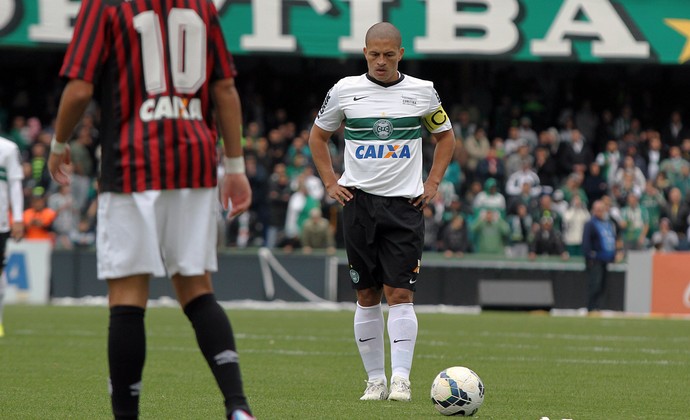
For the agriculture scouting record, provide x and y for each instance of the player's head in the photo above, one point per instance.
(383, 51)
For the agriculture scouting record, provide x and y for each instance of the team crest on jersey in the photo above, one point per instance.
(383, 129)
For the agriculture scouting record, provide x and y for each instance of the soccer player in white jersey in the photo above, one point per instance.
(383, 195)
(11, 198)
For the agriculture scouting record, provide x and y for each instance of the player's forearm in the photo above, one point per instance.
(75, 98)
(443, 153)
(229, 113)
(322, 157)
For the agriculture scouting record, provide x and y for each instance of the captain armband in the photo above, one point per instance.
(435, 120)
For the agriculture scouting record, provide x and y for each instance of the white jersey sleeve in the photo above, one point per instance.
(11, 176)
(331, 115)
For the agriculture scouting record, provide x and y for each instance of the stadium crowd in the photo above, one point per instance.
(520, 184)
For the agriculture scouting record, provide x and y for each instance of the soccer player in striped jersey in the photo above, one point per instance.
(163, 77)
(11, 198)
(383, 194)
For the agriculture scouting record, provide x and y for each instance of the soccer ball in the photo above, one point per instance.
(457, 391)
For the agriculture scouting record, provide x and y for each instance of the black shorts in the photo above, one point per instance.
(384, 237)
(3, 243)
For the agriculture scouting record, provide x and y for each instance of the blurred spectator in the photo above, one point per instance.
(677, 212)
(38, 219)
(489, 199)
(671, 166)
(18, 134)
(609, 160)
(65, 220)
(463, 127)
(258, 180)
(39, 169)
(279, 193)
(574, 220)
(574, 156)
(653, 201)
(525, 175)
(477, 147)
(307, 196)
(432, 226)
(512, 141)
(674, 131)
(83, 236)
(317, 233)
(683, 182)
(525, 197)
(546, 166)
(665, 240)
(594, 185)
(623, 122)
(572, 187)
(634, 224)
(453, 178)
(628, 168)
(455, 238)
(82, 166)
(653, 154)
(520, 223)
(546, 209)
(491, 166)
(547, 241)
(527, 133)
(518, 160)
(490, 233)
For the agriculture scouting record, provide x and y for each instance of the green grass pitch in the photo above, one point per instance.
(304, 365)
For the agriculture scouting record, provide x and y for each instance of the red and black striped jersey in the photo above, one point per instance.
(152, 63)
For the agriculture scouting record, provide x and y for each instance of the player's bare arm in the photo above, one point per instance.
(443, 153)
(318, 143)
(75, 98)
(235, 185)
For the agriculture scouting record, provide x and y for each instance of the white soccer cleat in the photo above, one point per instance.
(376, 390)
(400, 389)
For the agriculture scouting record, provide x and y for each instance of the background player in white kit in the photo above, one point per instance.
(383, 196)
(11, 198)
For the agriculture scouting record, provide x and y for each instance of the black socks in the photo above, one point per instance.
(217, 343)
(126, 355)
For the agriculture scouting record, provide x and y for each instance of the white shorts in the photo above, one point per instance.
(157, 232)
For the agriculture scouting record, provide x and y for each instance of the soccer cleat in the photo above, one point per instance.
(376, 390)
(400, 389)
(241, 415)
(2, 331)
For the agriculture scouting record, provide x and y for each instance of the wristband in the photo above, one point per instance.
(57, 147)
(233, 165)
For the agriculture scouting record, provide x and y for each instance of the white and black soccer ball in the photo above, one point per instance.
(457, 391)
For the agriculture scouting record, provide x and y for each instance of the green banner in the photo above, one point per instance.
(527, 30)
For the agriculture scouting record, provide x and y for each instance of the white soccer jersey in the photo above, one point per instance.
(383, 131)
(10, 169)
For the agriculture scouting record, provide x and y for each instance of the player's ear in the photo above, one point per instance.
(402, 52)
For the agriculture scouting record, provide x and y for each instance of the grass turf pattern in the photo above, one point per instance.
(304, 365)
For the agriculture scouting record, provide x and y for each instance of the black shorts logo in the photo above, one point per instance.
(354, 275)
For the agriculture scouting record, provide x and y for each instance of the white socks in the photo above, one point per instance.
(369, 338)
(402, 331)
